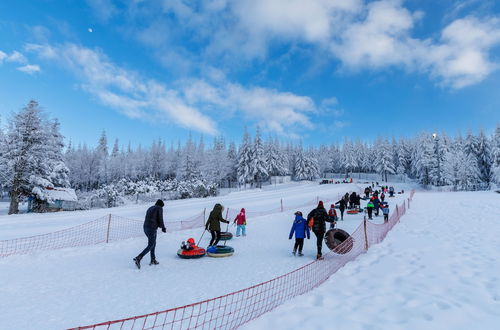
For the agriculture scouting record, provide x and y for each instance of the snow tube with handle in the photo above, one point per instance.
(339, 241)
(225, 236)
(191, 254)
(220, 251)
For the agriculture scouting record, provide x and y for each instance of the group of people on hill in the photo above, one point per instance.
(154, 220)
(301, 228)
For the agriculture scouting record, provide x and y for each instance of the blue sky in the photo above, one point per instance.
(313, 70)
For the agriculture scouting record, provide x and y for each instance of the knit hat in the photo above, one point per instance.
(320, 205)
(159, 203)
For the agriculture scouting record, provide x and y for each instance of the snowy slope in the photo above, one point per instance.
(21, 225)
(84, 285)
(438, 269)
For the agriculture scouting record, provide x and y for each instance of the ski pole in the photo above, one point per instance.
(202, 235)
(227, 228)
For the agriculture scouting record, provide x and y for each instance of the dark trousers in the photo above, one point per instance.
(299, 243)
(215, 237)
(151, 234)
(319, 240)
(376, 211)
(386, 217)
(341, 214)
(370, 210)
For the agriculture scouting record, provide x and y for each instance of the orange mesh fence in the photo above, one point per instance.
(113, 228)
(237, 308)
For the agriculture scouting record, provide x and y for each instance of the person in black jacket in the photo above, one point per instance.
(342, 206)
(153, 221)
(213, 223)
(319, 226)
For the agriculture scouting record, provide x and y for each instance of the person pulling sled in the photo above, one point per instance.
(213, 223)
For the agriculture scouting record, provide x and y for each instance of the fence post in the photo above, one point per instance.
(109, 225)
(408, 203)
(282, 205)
(204, 214)
(317, 199)
(366, 235)
(227, 212)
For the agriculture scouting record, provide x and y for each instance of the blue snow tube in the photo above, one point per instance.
(220, 251)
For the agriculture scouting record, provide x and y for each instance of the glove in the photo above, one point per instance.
(164, 229)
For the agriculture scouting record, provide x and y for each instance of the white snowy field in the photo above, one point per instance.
(437, 269)
(85, 285)
(29, 224)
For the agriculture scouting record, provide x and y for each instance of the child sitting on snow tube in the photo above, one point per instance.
(189, 250)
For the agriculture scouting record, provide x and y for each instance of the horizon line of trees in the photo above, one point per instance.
(33, 156)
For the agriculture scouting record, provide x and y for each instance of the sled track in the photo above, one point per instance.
(111, 228)
(237, 308)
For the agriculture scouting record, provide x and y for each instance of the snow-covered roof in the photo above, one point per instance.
(62, 194)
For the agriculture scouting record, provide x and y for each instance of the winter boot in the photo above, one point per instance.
(294, 252)
(154, 262)
(301, 254)
(137, 262)
(319, 257)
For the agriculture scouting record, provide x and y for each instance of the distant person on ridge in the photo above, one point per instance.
(153, 221)
(213, 223)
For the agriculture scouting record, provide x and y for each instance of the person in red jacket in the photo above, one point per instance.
(332, 213)
(241, 223)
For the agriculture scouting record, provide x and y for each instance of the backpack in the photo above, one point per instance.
(310, 223)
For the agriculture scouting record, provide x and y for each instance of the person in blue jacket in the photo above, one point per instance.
(301, 230)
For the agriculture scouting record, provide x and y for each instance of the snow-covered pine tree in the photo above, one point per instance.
(258, 165)
(188, 169)
(300, 170)
(483, 155)
(312, 165)
(102, 157)
(424, 160)
(245, 157)
(216, 167)
(384, 158)
(276, 164)
(348, 158)
(26, 152)
(440, 150)
(495, 155)
(59, 171)
(232, 164)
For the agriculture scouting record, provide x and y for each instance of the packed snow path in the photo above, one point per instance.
(438, 269)
(78, 286)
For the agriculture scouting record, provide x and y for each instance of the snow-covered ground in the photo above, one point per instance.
(29, 224)
(84, 285)
(438, 269)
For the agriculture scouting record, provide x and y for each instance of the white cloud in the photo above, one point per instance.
(3, 56)
(103, 9)
(362, 35)
(29, 68)
(189, 104)
(16, 57)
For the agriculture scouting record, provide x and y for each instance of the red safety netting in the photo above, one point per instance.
(113, 228)
(234, 309)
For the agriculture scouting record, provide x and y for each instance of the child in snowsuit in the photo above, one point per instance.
(332, 213)
(382, 197)
(241, 223)
(188, 245)
(385, 211)
(301, 230)
(369, 209)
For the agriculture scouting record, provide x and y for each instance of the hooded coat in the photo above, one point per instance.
(300, 228)
(320, 218)
(154, 216)
(215, 218)
(241, 219)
